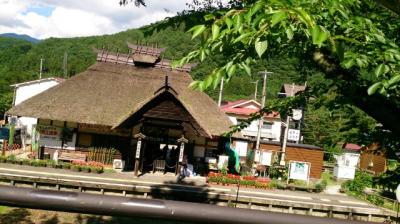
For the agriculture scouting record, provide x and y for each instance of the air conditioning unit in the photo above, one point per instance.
(118, 164)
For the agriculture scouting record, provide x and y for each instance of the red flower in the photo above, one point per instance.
(249, 178)
(264, 180)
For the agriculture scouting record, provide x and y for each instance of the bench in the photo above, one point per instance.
(71, 156)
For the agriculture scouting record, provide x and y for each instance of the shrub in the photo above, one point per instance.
(360, 182)
(95, 169)
(3, 159)
(35, 162)
(65, 165)
(320, 186)
(11, 159)
(261, 185)
(26, 162)
(224, 171)
(42, 163)
(85, 169)
(51, 163)
(375, 200)
(247, 182)
(277, 184)
(76, 168)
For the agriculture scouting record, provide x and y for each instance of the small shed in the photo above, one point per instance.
(294, 152)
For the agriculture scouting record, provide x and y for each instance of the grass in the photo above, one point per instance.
(3, 209)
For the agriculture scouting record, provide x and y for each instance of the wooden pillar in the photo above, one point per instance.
(139, 137)
(182, 142)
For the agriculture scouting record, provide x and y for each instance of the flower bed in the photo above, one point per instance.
(231, 179)
(79, 166)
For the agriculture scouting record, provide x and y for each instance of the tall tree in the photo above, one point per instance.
(354, 43)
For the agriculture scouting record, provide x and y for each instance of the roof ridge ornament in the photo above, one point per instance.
(166, 87)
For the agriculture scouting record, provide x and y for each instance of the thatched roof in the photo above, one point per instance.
(108, 94)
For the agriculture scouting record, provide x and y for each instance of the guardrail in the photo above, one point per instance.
(190, 193)
(156, 209)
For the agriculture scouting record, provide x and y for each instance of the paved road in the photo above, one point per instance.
(189, 184)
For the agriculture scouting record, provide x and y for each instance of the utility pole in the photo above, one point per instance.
(255, 91)
(260, 121)
(285, 136)
(41, 68)
(221, 89)
(65, 65)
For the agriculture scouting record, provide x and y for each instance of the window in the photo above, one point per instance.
(266, 125)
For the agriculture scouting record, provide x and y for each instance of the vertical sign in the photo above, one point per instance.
(181, 152)
(257, 156)
(139, 144)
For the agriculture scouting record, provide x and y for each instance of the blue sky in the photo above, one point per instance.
(72, 18)
(42, 10)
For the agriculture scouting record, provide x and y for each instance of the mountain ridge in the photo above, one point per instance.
(21, 36)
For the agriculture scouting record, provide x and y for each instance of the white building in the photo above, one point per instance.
(241, 110)
(346, 163)
(26, 90)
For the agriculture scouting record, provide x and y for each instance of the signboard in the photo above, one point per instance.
(139, 145)
(299, 170)
(241, 148)
(49, 132)
(222, 161)
(181, 152)
(266, 158)
(398, 193)
(293, 135)
(93, 128)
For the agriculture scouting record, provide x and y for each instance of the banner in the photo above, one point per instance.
(241, 148)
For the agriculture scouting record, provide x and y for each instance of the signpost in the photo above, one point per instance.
(139, 138)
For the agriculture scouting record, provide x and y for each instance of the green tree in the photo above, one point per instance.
(354, 43)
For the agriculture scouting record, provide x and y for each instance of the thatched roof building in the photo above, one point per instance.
(111, 93)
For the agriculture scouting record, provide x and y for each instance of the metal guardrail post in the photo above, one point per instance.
(160, 209)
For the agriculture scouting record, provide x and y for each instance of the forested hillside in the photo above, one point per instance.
(326, 124)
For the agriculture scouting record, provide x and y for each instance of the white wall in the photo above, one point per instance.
(274, 133)
(25, 92)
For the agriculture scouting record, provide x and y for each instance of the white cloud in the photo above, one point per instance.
(71, 18)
